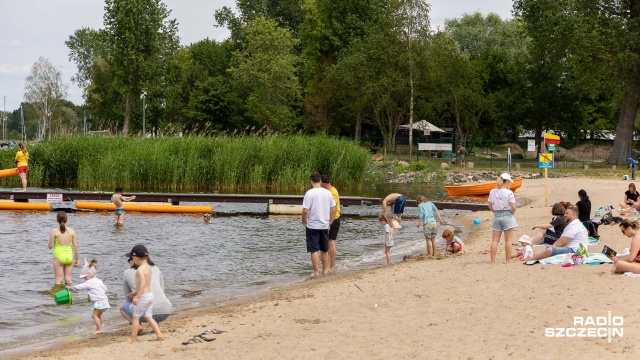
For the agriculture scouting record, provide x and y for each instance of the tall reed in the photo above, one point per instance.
(223, 163)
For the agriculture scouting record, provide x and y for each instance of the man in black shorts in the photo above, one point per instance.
(335, 225)
(318, 212)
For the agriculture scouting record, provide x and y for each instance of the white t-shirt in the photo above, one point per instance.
(577, 233)
(319, 202)
(501, 199)
(387, 230)
(96, 288)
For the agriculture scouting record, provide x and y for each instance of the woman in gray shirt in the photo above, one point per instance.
(161, 305)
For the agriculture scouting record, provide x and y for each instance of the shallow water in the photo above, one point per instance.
(242, 251)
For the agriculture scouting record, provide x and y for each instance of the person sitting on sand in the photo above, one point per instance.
(573, 235)
(525, 251)
(454, 244)
(549, 233)
(631, 262)
(630, 198)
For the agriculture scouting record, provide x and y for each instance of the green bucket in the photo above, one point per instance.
(63, 297)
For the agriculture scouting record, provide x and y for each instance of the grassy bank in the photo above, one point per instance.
(191, 163)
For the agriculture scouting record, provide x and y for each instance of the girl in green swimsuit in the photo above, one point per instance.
(60, 241)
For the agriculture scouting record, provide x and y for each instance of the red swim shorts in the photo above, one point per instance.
(23, 169)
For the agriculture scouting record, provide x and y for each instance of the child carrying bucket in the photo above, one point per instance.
(97, 292)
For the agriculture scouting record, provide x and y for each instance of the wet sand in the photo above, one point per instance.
(446, 308)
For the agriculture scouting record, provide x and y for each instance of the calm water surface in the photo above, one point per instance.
(241, 252)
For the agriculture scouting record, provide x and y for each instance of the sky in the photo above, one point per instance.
(34, 28)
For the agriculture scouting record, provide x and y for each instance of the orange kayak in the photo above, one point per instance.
(478, 189)
(144, 207)
(8, 172)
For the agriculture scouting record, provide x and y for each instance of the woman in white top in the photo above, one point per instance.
(503, 204)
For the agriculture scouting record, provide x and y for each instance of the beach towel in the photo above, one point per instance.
(593, 241)
(593, 259)
(630, 274)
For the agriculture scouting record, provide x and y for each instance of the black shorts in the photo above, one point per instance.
(550, 237)
(317, 240)
(333, 230)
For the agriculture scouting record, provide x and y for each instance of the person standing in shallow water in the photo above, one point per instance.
(318, 213)
(61, 240)
(335, 225)
(117, 199)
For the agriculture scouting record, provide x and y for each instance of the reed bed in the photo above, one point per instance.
(223, 163)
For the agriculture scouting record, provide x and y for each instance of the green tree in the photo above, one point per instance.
(329, 27)
(454, 88)
(84, 46)
(498, 52)
(142, 40)
(594, 41)
(266, 69)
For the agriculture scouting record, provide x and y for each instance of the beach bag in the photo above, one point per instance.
(607, 219)
(592, 228)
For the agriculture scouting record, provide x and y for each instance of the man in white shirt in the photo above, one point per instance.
(573, 235)
(318, 213)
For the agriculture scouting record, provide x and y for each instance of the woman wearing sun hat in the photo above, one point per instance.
(503, 204)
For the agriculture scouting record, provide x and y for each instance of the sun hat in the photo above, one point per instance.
(138, 250)
(87, 271)
(506, 177)
(525, 239)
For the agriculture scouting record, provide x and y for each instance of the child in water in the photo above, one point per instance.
(117, 200)
(97, 292)
(387, 235)
(454, 244)
(207, 218)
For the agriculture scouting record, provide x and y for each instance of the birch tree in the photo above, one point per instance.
(44, 89)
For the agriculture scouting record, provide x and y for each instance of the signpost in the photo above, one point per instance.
(545, 161)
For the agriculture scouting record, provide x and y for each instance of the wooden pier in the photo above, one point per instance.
(177, 199)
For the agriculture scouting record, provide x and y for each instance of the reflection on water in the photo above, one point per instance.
(231, 256)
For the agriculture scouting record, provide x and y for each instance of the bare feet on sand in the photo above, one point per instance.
(160, 338)
(97, 332)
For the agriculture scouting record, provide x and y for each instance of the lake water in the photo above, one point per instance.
(241, 252)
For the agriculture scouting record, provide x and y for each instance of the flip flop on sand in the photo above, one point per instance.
(193, 340)
(207, 339)
(216, 331)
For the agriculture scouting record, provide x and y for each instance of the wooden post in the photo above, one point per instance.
(546, 196)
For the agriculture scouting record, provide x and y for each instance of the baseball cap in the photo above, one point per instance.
(138, 250)
(506, 177)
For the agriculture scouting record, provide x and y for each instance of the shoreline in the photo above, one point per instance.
(415, 308)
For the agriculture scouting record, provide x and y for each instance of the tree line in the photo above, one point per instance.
(359, 69)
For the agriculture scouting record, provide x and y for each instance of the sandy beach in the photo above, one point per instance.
(449, 308)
